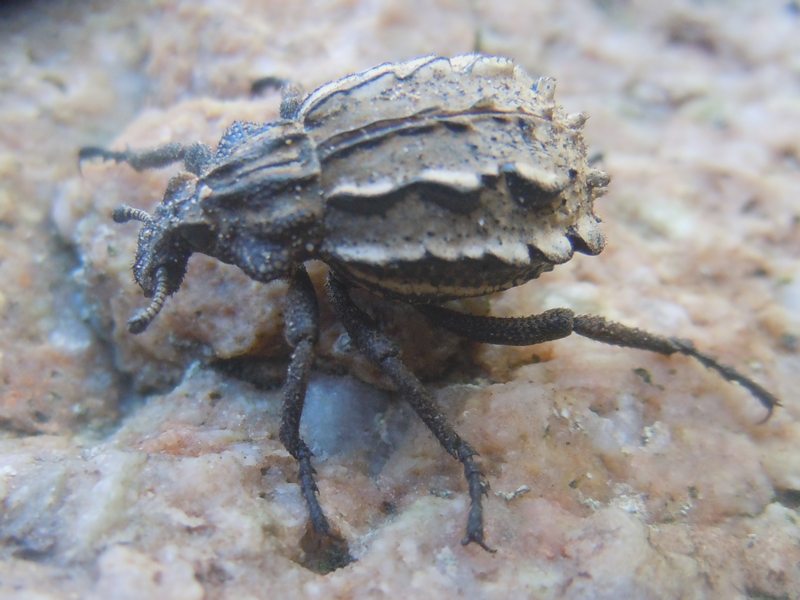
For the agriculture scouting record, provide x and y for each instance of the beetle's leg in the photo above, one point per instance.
(301, 330)
(609, 332)
(560, 322)
(509, 331)
(385, 354)
(301, 318)
(195, 156)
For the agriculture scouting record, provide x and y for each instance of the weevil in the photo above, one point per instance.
(422, 182)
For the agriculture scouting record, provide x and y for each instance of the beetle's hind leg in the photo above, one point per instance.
(609, 332)
(301, 330)
(560, 322)
(385, 354)
(195, 156)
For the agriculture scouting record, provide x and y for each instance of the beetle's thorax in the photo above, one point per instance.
(263, 201)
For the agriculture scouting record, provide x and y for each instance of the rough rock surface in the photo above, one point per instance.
(149, 466)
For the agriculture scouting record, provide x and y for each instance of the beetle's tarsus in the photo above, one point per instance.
(309, 489)
(153, 158)
(92, 152)
(767, 399)
(609, 332)
(478, 487)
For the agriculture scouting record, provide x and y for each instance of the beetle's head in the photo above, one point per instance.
(166, 241)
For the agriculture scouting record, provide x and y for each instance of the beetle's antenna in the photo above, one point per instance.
(125, 213)
(139, 322)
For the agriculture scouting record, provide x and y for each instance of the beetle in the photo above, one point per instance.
(420, 181)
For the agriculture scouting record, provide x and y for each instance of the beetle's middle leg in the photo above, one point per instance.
(561, 322)
(386, 355)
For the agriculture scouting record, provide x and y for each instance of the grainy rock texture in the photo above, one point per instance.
(150, 467)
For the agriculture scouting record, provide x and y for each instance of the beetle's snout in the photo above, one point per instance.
(162, 252)
(161, 259)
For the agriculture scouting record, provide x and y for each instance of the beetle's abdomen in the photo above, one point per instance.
(461, 177)
(435, 280)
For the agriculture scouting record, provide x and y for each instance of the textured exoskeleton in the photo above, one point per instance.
(427, 180)
(421, 181)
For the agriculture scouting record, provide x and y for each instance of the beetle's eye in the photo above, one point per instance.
(197, 236)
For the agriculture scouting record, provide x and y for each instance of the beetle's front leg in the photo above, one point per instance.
(385, 354)
(301, 330)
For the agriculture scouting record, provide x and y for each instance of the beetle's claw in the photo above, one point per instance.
(476, 537)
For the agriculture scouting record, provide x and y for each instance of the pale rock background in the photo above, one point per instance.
(149, 466)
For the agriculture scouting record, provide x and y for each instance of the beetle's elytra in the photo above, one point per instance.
(421, 181)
